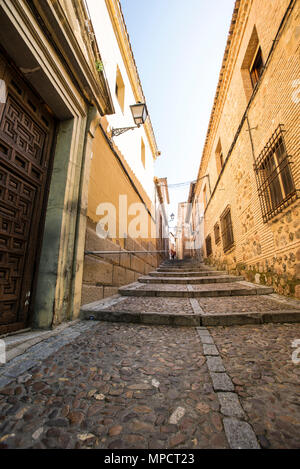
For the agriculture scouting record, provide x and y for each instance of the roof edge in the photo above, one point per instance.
(224, 68)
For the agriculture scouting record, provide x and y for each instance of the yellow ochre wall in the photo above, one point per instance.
(103, 274)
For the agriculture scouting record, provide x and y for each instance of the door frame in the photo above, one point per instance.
(35, 237)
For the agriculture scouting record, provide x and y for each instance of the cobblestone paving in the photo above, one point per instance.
(123, 386)
(241, 304)
(258, 359)
(159, 305)
(117, 386)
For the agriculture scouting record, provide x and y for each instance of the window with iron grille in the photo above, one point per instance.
(227, 231)
(217, 233)
(208, 246)
(276, 189)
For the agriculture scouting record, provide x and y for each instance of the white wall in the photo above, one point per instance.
(130, 142)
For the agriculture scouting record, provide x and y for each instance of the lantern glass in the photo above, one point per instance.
(139, 113)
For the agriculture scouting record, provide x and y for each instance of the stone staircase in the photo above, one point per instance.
(186, 293)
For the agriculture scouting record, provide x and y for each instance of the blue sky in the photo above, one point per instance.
(178, 47)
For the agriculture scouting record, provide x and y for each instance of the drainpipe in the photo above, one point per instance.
(251, 137)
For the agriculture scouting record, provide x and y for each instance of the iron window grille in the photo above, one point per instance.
(276, 189)
(227, 231)
(217, 233)
(208, 246)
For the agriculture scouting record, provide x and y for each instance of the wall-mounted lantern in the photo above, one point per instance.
(139, 113)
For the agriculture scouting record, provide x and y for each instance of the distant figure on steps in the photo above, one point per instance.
(173, 254)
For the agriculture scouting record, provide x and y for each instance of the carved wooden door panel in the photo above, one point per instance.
(26, 135)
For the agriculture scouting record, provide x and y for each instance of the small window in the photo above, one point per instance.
(275, 182)
(252, 65)
(120, 89)
(219, 157)
(217, 233)
(143, 153)
(205, 197)
(227, 232)
(208, 246)
(256, 68)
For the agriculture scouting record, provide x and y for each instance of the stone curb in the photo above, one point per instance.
(38, 352)
(221, 382)
(230, 405)
(239, 433)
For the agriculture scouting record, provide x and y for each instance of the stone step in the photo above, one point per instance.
(201, 273)
(14, 341)
(194, 312)
(190, 280)
(157, 318)
(186, 269)
(183, 266)
(181, 263)
(192, 320)
(181, 291)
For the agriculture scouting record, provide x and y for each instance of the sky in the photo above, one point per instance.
(178, 48)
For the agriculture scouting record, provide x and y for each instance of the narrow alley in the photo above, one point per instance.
(149, 228)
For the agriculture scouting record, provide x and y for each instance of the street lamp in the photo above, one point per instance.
(139, 113)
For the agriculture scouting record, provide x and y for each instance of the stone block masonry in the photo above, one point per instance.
(104, 274)
(246, 120)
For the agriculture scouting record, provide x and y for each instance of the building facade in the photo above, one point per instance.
(162, 222)
(182, 232)
(246, 204)
(52, 96)
(121, 241)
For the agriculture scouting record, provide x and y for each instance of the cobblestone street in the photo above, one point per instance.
(258, 359)
(113, 385)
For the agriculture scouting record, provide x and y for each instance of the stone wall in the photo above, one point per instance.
(104, 274)
(266, 252)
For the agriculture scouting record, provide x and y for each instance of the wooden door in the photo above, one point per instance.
(26, 137)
